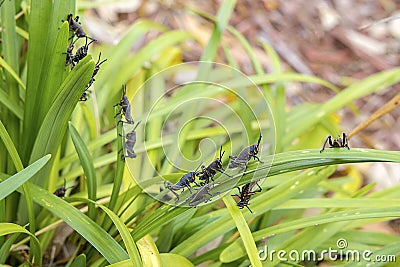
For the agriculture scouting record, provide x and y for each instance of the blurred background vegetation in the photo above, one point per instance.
(316, 69)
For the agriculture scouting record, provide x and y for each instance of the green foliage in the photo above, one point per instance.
(47, 136)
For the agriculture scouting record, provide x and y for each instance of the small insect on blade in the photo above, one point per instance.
(246, 193)
(336, 143)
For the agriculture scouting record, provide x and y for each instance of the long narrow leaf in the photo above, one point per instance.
(7, 67)
(87, 165)
(8, 143)
(82, 224)
(11, 105)
(9, 228)
(38, 31)
(130, 245)
(15, 181)
(244, 231)
(55, 123)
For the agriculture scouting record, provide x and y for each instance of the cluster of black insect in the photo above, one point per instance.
(130, 137)
(206, 175)
(73, 59)
(202, 194)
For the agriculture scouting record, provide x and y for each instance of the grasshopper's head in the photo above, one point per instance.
(254, 149)
(70, 17)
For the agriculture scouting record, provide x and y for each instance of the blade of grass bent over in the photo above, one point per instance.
(82, 224)
(244, 231)
(12, 183)
(9, 228)
(130, 245)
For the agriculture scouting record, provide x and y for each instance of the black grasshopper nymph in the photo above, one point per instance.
(185, 181)
(69, 59)
(92, 80)
(245, 155)
(82, 51)
(60, 192)
(96, 69)
(130, 141)
(209, 172)
(337, 142)
(76, 27)
(245, 194)
(202, 195)
(125, 107)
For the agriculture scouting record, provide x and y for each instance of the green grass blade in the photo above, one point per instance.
(149, 251)
(281, 77)
(79, 261)
(276, 64)
(159, 217)
(130, 245)
(55, 69)
(125, 263)
(164, 41)
(38, 31)
(10, 47)
(11, 105)
(18, 166)
(120, 166)
(9, 145)
(55, 123)
(15, 181)
(337, 203)
(119, 52)
(6, 247)
(82, 224)
(10, 228)
(244, 231)
(288, 161)
(60, 10)
(88, 168)
(259, 204)
(10, 51)
(89, 229)
(7, 67)
(203, 74)
(24, 34)
(222, 20)
(170, 259)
